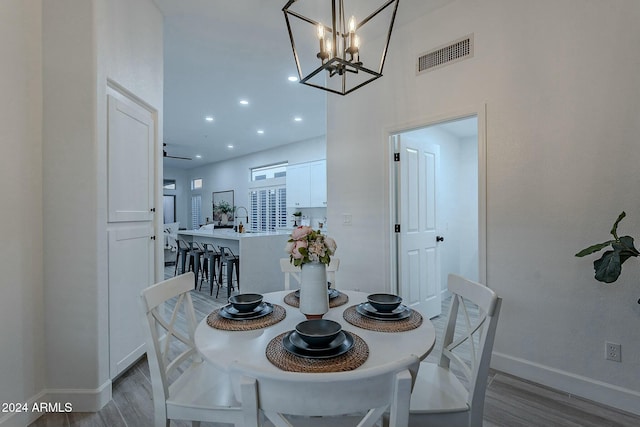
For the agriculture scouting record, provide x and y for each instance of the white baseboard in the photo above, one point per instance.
(59, 400)
(21, 419)
(588, 388)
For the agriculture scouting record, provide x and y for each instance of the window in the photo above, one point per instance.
(269, 172)
(268, 208)
(196, 211)
(196, 184)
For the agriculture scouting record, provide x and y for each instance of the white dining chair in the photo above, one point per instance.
(184, 386)
(331, 271)
(439, 398)
(291, 271)
(354, 398)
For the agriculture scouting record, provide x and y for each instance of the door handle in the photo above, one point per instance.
(439, 239)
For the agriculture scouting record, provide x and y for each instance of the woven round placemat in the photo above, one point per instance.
(219, 322)
(286, 361)
(357, 319)
(292, 300)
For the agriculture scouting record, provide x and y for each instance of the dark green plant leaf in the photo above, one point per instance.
(594, 248)
(608, 267)
(614, 229)
(625, 243)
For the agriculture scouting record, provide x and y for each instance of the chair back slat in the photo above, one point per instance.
(372, 391)
(468, 337)
(290, 271)
(173, 347)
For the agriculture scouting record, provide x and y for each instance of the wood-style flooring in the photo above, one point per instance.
(510, 401)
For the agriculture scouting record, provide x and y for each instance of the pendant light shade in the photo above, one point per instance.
(339, 45)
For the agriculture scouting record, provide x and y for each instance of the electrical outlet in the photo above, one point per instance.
(613, 351)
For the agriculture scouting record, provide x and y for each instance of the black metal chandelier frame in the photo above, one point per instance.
(341, 59)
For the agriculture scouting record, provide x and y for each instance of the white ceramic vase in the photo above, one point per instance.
(314, 298)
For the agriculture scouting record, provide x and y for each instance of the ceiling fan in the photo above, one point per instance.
(164, 154)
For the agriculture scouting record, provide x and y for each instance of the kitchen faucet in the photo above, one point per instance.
(246, 213)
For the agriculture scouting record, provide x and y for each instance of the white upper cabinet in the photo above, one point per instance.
(318, 182)
(307, 185)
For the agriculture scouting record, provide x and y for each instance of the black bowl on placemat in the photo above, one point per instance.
(318, 333)
(384, 303)
(245, 302)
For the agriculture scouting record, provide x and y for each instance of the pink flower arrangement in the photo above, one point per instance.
(308, 245)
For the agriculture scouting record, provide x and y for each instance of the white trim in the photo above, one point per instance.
(81, 400)
(20, 419)
(578, 385)
(84, 399)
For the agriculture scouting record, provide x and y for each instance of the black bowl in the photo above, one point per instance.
(384, 302)
(245, 302)
(318, 332)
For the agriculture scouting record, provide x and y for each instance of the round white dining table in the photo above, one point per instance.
(222, 348)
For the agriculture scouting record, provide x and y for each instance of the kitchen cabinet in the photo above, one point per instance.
(307, 185)
(298, 185)
(318, 184)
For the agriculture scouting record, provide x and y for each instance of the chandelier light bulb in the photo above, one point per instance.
(352, 24)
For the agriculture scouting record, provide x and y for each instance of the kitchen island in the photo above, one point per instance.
(259, 252)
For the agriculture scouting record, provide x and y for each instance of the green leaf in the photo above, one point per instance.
(625, 243)
(608, 267)
(614, 229)
(594, 248)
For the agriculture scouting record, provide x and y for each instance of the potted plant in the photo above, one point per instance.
(311, 251)
(609, 266)
(296, 217)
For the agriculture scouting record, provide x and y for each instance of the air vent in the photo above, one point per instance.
(444, 55)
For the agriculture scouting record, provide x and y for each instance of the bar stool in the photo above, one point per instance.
(181, 255)
(210, 259)
(192, 252)
(229, 261)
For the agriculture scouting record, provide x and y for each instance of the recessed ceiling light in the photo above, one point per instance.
(260, 131)
(209, 118)
(293, 79)
(244, 102)
(198, 156)
(230, 146)
(297, 119)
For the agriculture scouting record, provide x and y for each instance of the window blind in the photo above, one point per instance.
(268, 208)
(196, 211)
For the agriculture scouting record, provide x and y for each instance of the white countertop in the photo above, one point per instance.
(228, 233)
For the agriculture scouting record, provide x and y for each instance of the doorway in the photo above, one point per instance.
(436, 189)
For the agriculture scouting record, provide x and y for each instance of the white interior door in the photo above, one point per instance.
(418, 260)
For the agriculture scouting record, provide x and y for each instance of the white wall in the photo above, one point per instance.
(467, 208)
(235, 174)
(21, 306)
(561, 88)
(85, 44)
